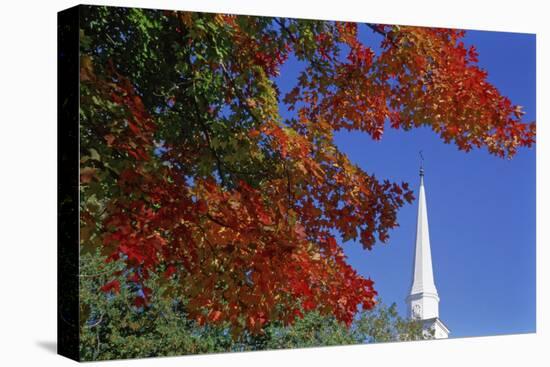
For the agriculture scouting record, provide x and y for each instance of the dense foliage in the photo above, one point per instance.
(191, 176)
(113, 328)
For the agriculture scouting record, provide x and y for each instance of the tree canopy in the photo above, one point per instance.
(192, 175)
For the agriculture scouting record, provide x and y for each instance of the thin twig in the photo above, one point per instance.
(97, 323)
(217, 221)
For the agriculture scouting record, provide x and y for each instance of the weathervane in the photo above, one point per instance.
(421, 163)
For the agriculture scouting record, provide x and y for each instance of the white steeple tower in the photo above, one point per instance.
(423, 300)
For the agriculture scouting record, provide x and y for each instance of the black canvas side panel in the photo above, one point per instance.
(67, 181)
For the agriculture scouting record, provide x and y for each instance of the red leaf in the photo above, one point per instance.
(113, 286)
(133, 127)
(202, 207)
(215, 315)
(169, 271)
(139, 302)
(264, 218)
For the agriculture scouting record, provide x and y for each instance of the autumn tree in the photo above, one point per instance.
(191, 172)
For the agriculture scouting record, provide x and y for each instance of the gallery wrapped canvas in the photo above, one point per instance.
(224, 181)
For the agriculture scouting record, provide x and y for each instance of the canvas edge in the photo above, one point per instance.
(68, 336)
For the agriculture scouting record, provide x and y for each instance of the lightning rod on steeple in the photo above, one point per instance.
(421, 164)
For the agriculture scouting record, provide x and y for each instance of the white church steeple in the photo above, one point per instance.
(423, 300)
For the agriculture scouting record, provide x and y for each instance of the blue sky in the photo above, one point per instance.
(481, 209)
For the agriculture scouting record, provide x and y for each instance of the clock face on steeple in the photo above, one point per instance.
(416, 310)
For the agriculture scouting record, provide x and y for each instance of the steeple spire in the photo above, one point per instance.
(423, 300)
(423, 279)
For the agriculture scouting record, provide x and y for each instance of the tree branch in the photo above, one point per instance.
(209, 216)
(375, 29)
